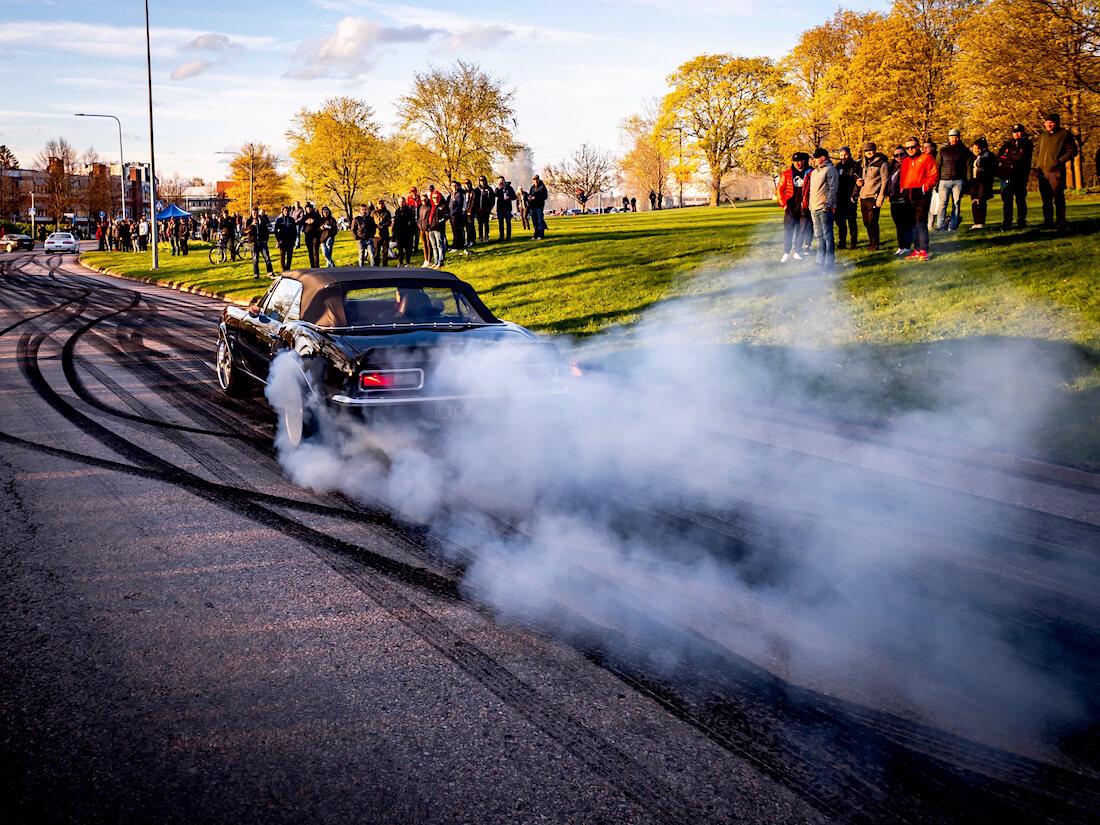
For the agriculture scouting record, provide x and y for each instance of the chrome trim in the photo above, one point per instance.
(348, 401)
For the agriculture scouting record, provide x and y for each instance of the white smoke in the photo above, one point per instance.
(616, 495)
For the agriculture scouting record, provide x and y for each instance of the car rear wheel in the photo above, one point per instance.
(231, 380)
(297, 420)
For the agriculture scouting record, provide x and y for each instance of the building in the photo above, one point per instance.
(210, 199)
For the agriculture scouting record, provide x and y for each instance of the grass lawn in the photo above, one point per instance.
(879, 338)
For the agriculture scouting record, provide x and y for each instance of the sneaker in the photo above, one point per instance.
(796, 256)
(922, 255)
(914, 255)
(786, 257)
(901, 251)
(978, 226)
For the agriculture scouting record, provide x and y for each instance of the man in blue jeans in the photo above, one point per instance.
(536, 200)
(824, 183)
(954, 161)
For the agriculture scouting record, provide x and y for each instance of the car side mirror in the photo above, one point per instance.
(272, 315)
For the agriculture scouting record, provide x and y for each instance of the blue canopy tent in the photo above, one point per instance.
(172, 211)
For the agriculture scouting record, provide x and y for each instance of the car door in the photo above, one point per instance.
(258, 338)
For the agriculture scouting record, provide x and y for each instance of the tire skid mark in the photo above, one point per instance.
(605, 759)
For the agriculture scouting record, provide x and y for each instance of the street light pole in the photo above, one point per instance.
(121, 162)
(152, 161)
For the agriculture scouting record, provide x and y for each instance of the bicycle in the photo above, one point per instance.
(219, 252)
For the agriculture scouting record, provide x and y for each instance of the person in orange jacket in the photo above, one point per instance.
(793, 194)
(919, 176)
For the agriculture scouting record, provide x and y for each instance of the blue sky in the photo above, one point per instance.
(230, 72)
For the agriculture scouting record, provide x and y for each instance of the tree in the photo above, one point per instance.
(648, 161)
(461, 120)
(256, 163)
(999, 52)
(586, 169)
(803, 112)
(9, 188)
(336, 150)
(58, 161)
(714, 98)
(170, 189)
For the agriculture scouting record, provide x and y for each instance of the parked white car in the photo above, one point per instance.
(62, 242)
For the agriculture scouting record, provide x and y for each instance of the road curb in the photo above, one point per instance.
(179, 286)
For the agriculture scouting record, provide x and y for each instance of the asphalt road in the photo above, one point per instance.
(189, 637)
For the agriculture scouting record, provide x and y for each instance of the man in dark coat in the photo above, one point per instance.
(363, 229)
(457, 209)
(286, 237)
(484, 199)
(1015, 167)
(311, 234)
(1054, 149)
(259, 229)
(505, 196)
(536, 199)
(848, 170)
(955, 163)
(382, 220)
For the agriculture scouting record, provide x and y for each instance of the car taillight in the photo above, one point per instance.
(391, 379)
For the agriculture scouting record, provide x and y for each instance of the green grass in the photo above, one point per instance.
(879, 338)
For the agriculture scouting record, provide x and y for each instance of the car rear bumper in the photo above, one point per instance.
(351, 402)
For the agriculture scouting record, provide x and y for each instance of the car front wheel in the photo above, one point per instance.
(230, 378)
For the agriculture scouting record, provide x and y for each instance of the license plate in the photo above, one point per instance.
(456, 409)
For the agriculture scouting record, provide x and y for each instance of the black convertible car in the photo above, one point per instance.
(380, 338)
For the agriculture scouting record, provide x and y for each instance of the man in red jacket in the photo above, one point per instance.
(919, 176)
(793, 195)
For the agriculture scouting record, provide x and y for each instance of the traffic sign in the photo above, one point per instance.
(31, 212)
(160, 205)
(103, 214)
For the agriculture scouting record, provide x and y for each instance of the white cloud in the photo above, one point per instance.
(348, 51)
(478, 36)
(190, 69)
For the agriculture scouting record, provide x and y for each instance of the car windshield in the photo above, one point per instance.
(389, 305)
(61, 236)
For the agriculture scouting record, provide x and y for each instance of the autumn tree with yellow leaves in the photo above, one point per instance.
(256, 178)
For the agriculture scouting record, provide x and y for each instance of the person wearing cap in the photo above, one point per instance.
(871, 186)
(898, 206)
(847, 170)
(954, 164)
(1053, 150)
(1014, 159)
(793, 194)
(824, 185)
(919, 176)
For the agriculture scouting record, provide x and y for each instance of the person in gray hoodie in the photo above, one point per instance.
(824, 183)
(872, 190)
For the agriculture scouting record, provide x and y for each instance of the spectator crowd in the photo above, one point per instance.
(924, 185)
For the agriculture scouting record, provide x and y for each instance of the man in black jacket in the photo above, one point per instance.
(286, 238)
(363, 229)
(484, 198)
(1054, 149)
(505, 196)
(847, 169)
(536, 199)
(1015, 167)
(954, 161)
(311, 234)
(382, 220)
(259, 229)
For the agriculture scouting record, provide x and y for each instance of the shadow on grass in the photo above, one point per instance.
(1007, 394)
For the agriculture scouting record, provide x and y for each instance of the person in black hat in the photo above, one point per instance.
(793, 194)
(848, 172)
(1014, 168)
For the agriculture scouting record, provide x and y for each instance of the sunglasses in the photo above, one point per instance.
(911, 148)
(899, 154)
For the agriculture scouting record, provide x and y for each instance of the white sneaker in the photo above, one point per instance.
(978, 226)
(796, 256)
(786, 257)
(902, 252)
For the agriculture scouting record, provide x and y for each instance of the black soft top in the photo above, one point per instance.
(323, 289)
